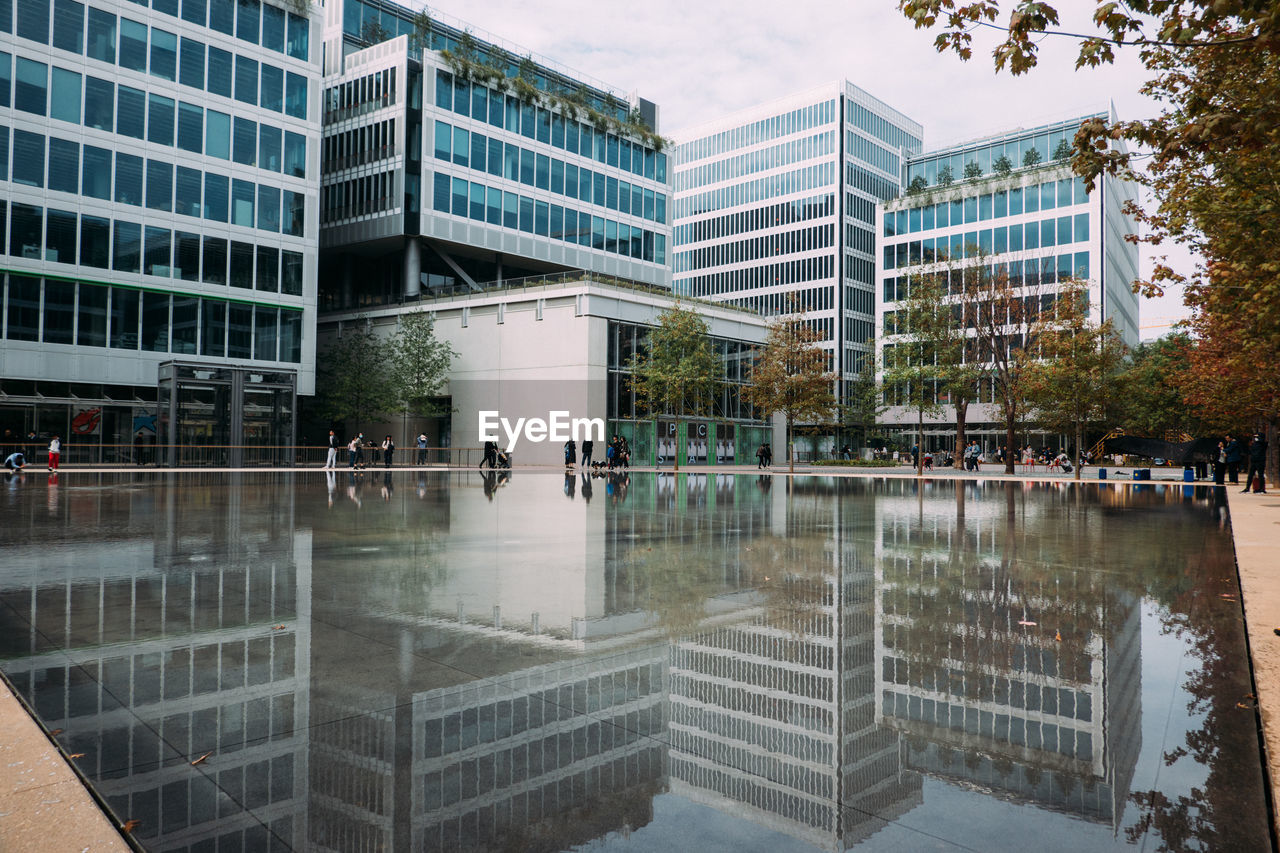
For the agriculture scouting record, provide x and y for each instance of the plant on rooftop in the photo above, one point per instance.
(1002, 166)
(420, 38)
(917, 185)
(972, 170)
(372, 32)
(1063, 151)
(945, 176)
(1032, 157)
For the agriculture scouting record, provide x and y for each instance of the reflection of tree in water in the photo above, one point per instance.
(1226, 811)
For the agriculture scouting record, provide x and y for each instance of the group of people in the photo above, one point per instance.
(356, 451)
(1231, 454)
(16, 460)
(764, 456)
(617, 454)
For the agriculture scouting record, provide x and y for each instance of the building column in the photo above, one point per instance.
(498, 260)
(412, 267)
(348, 297)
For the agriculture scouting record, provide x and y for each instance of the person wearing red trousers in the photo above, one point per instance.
(55, 452)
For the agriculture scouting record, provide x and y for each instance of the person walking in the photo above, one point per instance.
(388, 450)
(768, 455)
(422, 448)
(570, 453)
(55, 452)
(760, 456)
(331, 458)
(1220, 464)
(587, 446)
(1257, 465)
(490, 455)
(353, 453)
(360, 443)
(1234, 456)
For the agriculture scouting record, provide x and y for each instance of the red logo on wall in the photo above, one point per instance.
(86, 421)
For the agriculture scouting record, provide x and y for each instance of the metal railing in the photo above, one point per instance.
(249, 456)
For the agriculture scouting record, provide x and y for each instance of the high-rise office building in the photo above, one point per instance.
(1009, 202)
(775, 209)
(160, 166)
(453, 160)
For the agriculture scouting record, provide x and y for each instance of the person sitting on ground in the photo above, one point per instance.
(15, 461)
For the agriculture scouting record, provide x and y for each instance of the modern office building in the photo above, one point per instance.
(564, 343)
(455, 160)
(775, 210)
(160, 169)
(1022, 213)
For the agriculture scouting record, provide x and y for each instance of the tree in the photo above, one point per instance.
(1001, 315)
(679, 374)
(1153, 388)
(911, 362)
(354, 381)
(790, 376)
(372, 32)
(863, 402)
(420, 38)
(1002, 166)
(419, 365)
(1073, 383)
(946, 177)
(972, 170)
(1032, 157)
(917, 185)
(1063, 151)
(1207, 158)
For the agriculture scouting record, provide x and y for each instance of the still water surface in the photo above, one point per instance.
(660, 662)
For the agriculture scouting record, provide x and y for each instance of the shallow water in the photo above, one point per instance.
(727, 662)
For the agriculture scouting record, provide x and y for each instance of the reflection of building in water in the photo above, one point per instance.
(773, 718)
(525, 707)
(1003, 664)
(157, 644)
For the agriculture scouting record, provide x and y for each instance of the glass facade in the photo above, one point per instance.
(776, 212)
(146, 150)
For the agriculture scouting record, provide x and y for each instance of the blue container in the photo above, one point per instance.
(1102, 473)
(1142, 473)
(1188, 475)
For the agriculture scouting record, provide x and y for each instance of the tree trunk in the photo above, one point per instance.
(919, 442)
(962, 410)
(1079, 448)
(1009, 463)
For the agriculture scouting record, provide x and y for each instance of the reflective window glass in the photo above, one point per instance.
(64, 103)
(133, 45)
(299, 37)
(242, 198)
(268, 208)
(96, 176)
(273, 27)
(102, 35)
(221, 65)
(191, 65)
(60, 302)
(264, 333)
(214, 265)
(295, 154)
(268, 267)
(241, 265)
(213, 326)
(271, 96)
(291, 273)
(217, 134)
(217, 195)
(131, 116)
(246, 80)
(239, 330)
(60, 240)
(270, 141)
(164, 54)
(248, 13)
(126, 246)
(30, 93)
(244, 142)
(6, 76)
(160, 120)
(194, 11)
(99, 104)
(222, 16)
(155, 312)
(23, 318)
(186, 318)
(64, 165)
(295, 95)
(91, 325)
(28, 158)
(187, 185)
(68, 25)
(33, 20)
(159, 185)
(190, 128)
(95, 242)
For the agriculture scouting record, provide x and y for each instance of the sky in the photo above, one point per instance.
(702, 59)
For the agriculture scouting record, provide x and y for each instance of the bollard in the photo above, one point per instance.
(1102, 473)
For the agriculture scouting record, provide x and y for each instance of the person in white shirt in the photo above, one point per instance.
(55, 452)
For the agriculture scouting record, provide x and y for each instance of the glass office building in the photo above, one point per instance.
(1024, 214)
(159, 166)
(455, 161)
(775, 210)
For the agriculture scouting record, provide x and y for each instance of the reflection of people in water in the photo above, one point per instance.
(490, 482)
(570, 483)
(616, 487)
(586, 487)
(331, 484)
(353, 489)
(387, 488)
(764, 484)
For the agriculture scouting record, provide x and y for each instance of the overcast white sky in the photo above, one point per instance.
(700, 59)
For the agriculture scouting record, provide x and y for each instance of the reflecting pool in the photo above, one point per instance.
(451, 661)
